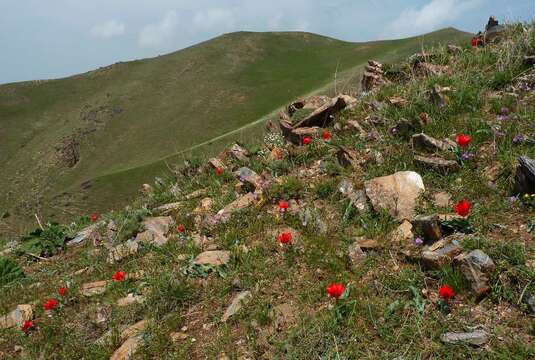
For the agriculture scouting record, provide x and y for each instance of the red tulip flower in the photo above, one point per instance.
(27, 326)
(63, 291)
(306, 140)
(181, 228)
(336, 290)
(51, 304)
(283, 205)
(326, 135)
(463, 140)
(285, 237)
(446, 292)
(463, 208)
(219, 171)
(119, 276)
(94, 217)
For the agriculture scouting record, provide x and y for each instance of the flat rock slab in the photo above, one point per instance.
(397, 193)
(167, 208)
(16, 317)
(127, 349)
(214, 258)
(134, 330)
(130, 299)
(94, 288)
(89, 233)
(237, 303)
(425, 142)
(477, 338)
(438, 163)
(122, 251)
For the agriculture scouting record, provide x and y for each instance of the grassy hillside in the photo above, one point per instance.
(111, 129)
(353, 267)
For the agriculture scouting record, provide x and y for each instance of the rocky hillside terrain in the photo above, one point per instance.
(85, 143)
(394, 224)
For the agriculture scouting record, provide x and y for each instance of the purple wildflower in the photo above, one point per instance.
(393, 130)
(499, 133)
(418, 241)
(502, 118)
(467, 155)
(518, 138)
(505, 111)
(513, 199)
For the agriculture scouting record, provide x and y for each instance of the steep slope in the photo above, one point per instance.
(60, 134)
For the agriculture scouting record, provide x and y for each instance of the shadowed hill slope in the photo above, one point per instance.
(86, 142)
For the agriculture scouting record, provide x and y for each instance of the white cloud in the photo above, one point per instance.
(159, 34)
(214, 18)
(434, 15)
(108, 29)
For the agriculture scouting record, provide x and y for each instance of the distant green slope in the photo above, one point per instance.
(124, 121)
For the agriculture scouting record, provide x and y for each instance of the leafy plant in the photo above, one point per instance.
(290, 188)
(44, 242)
(9, 271)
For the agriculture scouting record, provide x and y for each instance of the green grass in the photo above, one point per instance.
(134, 120)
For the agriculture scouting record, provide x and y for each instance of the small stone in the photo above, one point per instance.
(429, 227)
(477, 338)
(134, 330)
(476, 267)
(442, 199)
(90, 233)
(438, 163)
(214, 258)
(403, 234)
(94, 288)
(178, 337)
(425, 142)
(122, 251)
(217, 163)
(239, 153)
(440, 254)
(237, 303)
(167, 208)
(16, 317)
(146, 189)
(249, 176)
(130, 299)
(367, 244)
(356, 255)
(397, 193)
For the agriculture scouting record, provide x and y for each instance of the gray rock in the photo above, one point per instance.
(236, 305)
(438, 163)
(428, 227)
(90, 233)
(477, 338)
(425, 142)
(440, 254)
(476, 267)
(525, 176)
(247, 175)
(239, 153)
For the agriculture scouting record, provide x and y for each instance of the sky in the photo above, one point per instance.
(44, 39)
